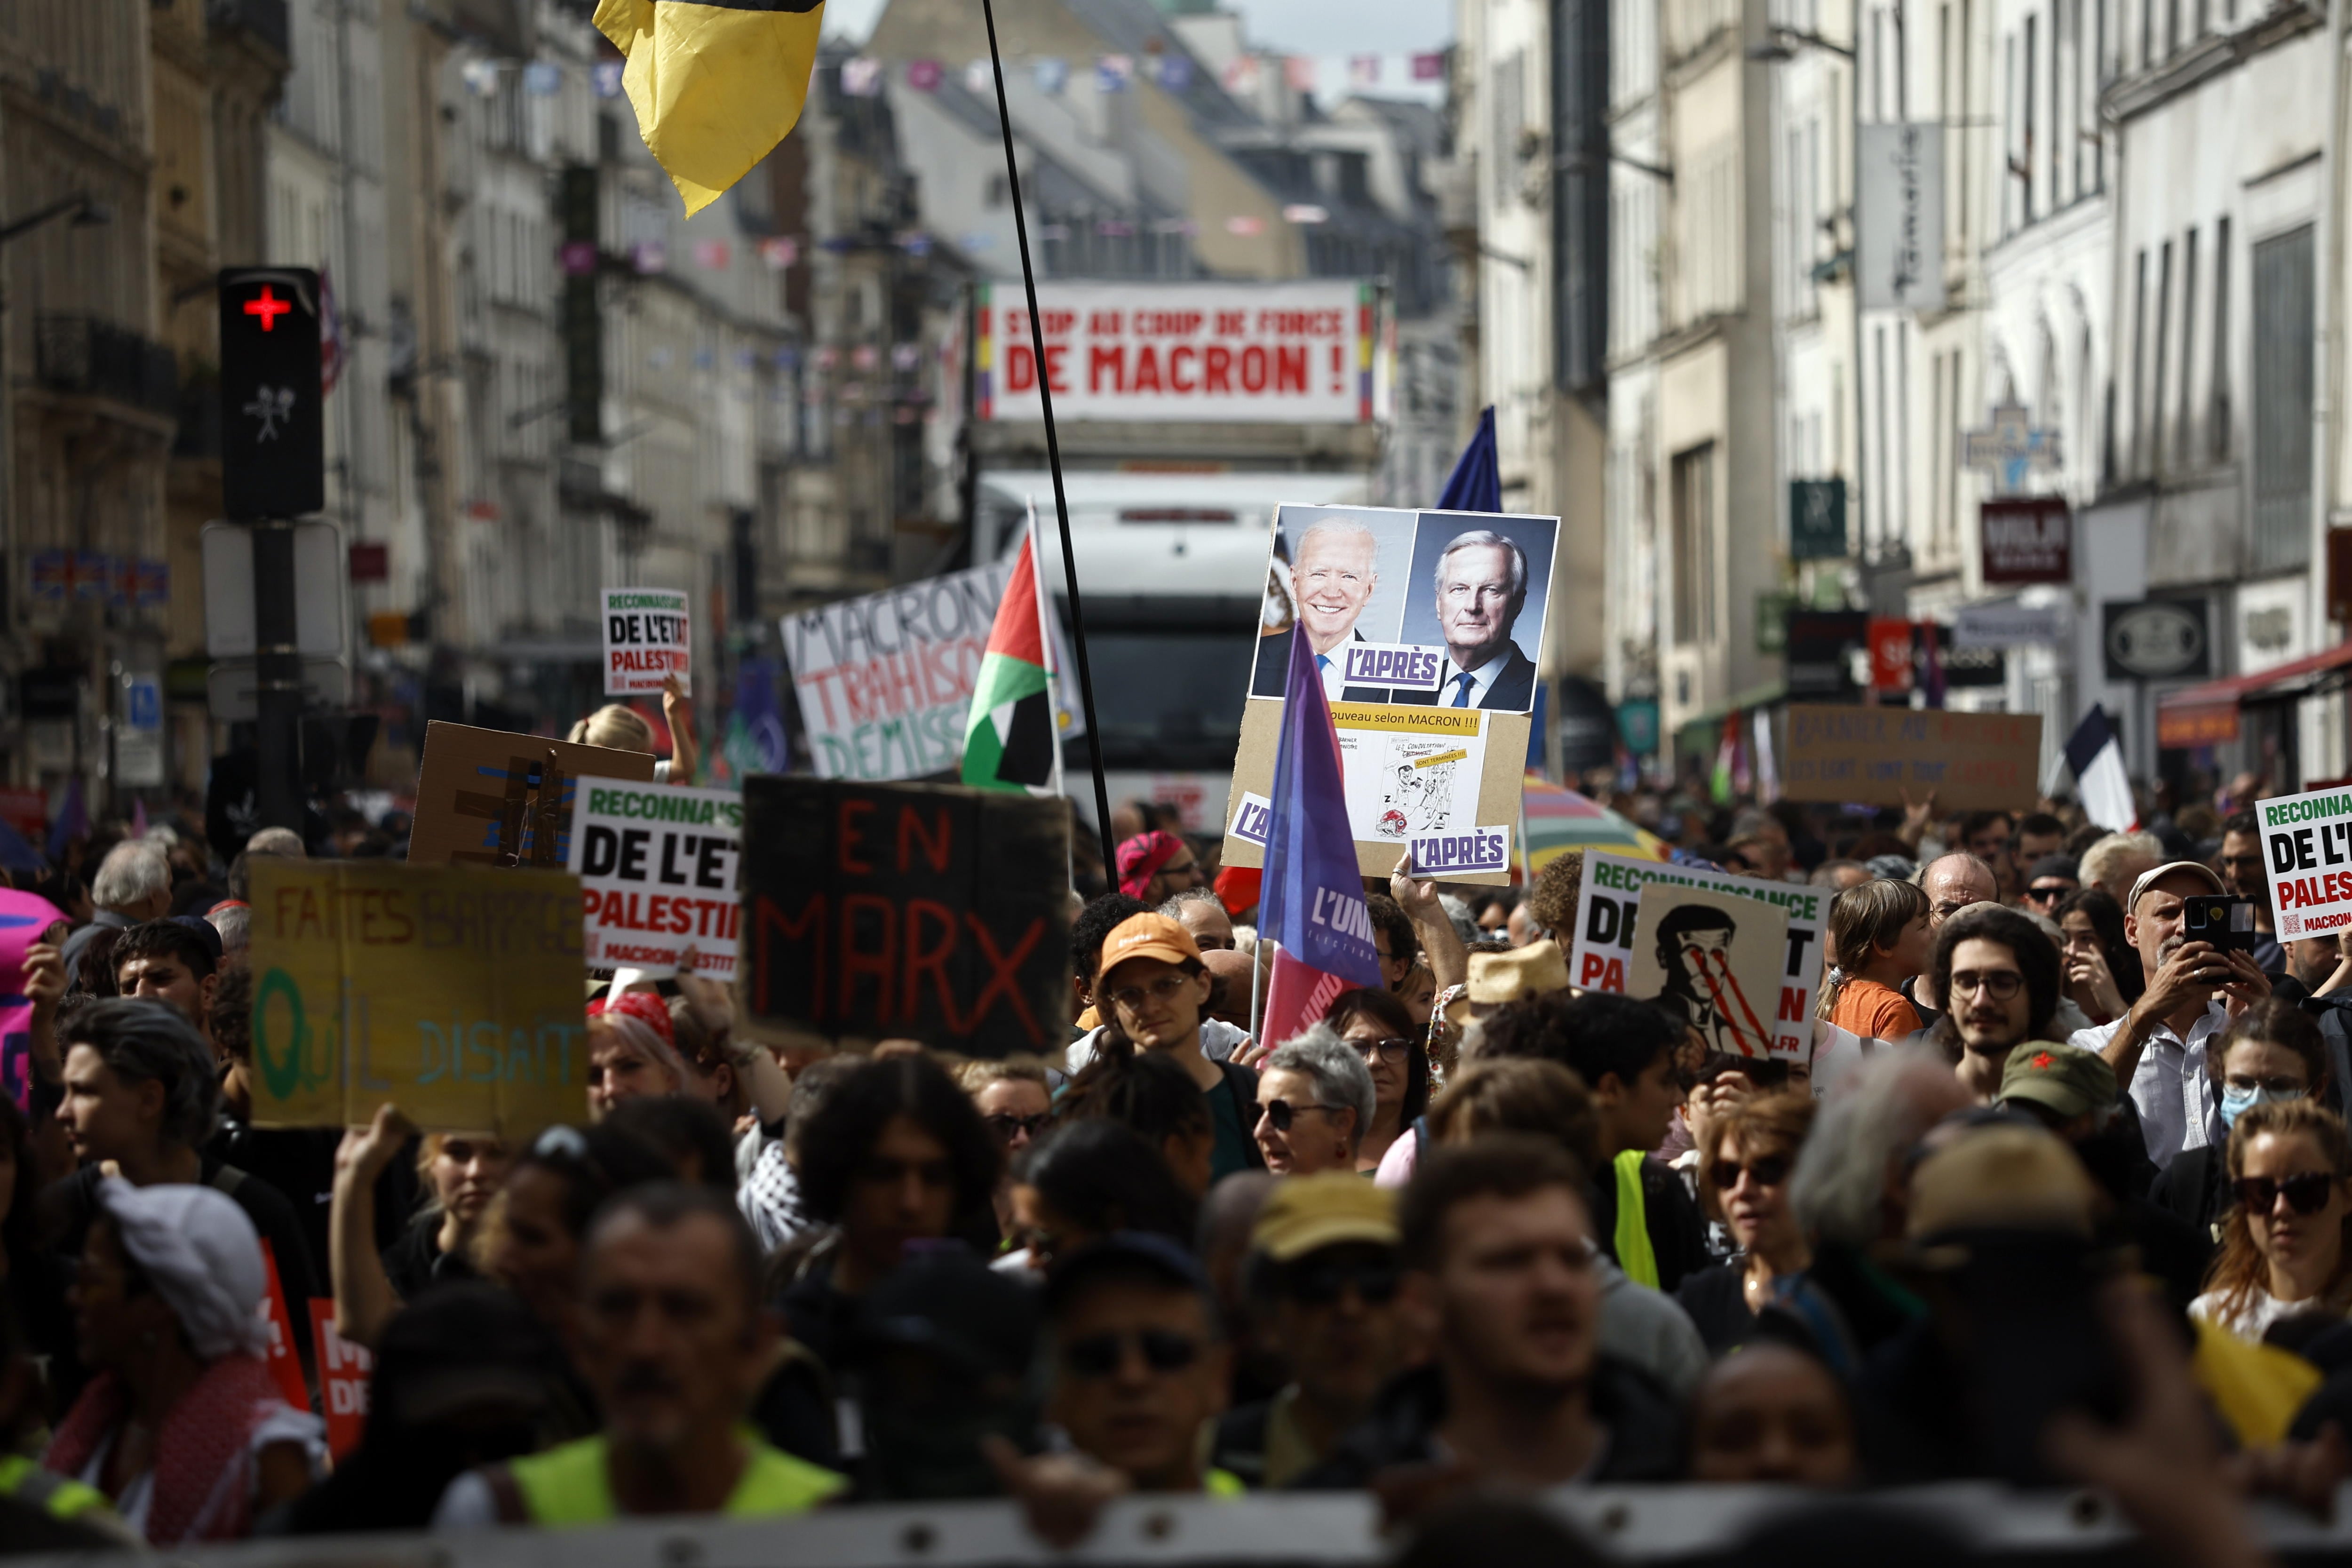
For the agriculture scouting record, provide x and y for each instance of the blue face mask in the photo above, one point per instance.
(2234, 1102)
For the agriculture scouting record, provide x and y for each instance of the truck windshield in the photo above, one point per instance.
(1169, 697)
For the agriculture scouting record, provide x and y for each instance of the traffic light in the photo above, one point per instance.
(273, 451)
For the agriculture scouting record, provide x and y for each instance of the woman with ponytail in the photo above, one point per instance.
(1878, 939)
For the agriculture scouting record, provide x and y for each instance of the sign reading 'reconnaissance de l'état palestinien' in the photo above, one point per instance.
(2307, 855)
(657, 875)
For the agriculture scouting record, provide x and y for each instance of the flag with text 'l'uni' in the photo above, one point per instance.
(1311, 900)
(2101, 781)
(716, 85)
(1009, 740)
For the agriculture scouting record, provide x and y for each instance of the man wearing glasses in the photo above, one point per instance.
(1323, 1270)
(2242, 872)
(1996, 976)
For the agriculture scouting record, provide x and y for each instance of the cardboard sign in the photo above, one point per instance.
(452, 992)
(1610, 919)
(2307, 855)
(647, 638)
(885, 681)
(1971, 761)
(344, 1369)
(925, 912)
(1712, 959)
(1253, 820)
(491, 797)
(656, 866)
(284, 1357)
(1449, 855)
(24, 920)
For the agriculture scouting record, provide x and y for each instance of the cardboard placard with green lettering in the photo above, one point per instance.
(928, 912)
(452, 992)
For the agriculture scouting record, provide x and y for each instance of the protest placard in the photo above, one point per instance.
(885, 682)
(1972, 762)
(657, 868)
(344, 1369)
(905, 911)
(492, 797)
(1609, 918)
(452, 992)
(1712, 959)
(648, 637)
(24, 919)
(2307, 855)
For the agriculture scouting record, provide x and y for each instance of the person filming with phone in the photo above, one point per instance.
(2195, 987)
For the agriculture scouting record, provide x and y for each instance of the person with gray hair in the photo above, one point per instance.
(234, 923)
(1314, 1100)
(1482, 583)
(2115, 864)
(277, 843)
(1200, 912)
(1848, 1189)
(141, 1093)
(133, 885)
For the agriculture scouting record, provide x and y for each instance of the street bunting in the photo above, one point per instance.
(656, 869)
(1623, 905)
(1874, 756)
(2307, 855)
(648, 637)
(452, 992)
(928, 912)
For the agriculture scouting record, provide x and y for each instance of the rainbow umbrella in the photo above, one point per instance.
(1555, 819)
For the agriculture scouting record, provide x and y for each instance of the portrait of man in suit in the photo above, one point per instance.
(1333, 573)
(1482, 585)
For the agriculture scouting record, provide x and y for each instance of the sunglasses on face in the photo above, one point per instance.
(2276, 1088)
(2000, 984)
(2306, 1193)
(1321, 1284)
(1282, 1113)
(1006, 1125)
(1163, 989)
(2041, 895)
(1101, 1355)
(1769, 1172)
(1388, 1051)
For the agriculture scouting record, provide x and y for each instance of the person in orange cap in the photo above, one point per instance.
(1154, 991)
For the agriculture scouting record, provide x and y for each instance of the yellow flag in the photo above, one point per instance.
(715, 86)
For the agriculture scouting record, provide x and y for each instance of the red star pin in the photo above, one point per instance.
(2043, 1060)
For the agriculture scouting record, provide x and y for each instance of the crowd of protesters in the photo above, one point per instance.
(2056, 1197)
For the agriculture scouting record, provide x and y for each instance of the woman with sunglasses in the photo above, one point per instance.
(1378, 1025)
(1744, 1183)
(2272, 1053)
(2284, 1246)
(1013, 1102)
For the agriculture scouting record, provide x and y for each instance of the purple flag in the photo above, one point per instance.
(1312, 897)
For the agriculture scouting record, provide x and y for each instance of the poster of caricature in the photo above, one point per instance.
(1712, 959)
(1410, 771)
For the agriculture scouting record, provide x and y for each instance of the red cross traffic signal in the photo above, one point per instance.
(273, 438)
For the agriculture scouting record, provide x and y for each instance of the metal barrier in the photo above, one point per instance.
(1682, 1524)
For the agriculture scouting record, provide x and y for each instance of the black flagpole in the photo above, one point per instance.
(1054, 461)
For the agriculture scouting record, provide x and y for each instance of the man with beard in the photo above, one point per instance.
(2194, 989)
(1497, 1245)
(1332, 577)
(1996, 976)
(673, 1339)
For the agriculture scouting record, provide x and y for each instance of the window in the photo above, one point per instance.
(2184, 441)
(2025, 150)
(2217, 419)
(2282, 374)
(1693, 524)
(2139, 359)
(1510, 116)
(2159, 451)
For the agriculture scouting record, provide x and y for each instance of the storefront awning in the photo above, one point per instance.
(2207, 715)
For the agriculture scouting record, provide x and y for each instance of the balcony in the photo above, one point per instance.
(82, 354)
(264, 19)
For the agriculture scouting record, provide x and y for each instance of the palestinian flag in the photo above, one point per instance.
(1009, 742)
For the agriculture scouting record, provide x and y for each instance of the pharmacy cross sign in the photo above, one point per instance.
(269, 307)
(2009, 449)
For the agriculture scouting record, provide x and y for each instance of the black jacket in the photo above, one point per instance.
(1272, 676)
(1677, 1233)
(1645, 1443)
(1514, 691)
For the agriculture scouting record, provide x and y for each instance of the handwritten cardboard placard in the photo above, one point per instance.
(1973, 762)
(657, 865)
(648, 637)
(452, 992)
(927, 912)
(885, 681)
(492, 797)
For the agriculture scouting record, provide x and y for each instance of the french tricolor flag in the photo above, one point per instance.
(2098, 759)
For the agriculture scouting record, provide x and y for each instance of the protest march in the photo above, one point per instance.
(1114, 991)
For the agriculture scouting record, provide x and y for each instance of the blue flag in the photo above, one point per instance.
(1312, 897)
(1476, 482)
